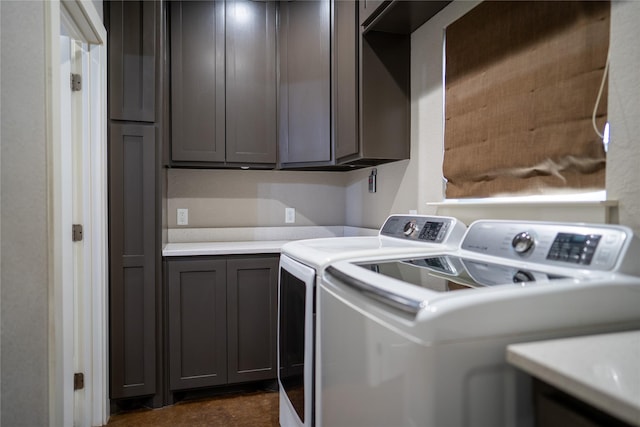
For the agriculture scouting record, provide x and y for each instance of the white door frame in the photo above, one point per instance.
(83, 16)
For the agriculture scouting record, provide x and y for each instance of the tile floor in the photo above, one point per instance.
(255, 409)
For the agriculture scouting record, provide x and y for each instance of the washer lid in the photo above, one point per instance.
(444, 273)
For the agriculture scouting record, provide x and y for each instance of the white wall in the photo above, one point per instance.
(623, 159)
(24, 309)
(98, 5)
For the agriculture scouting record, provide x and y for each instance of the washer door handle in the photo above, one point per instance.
(400, 302)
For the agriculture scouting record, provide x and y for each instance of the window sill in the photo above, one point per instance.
(525, 203)
(587, 211)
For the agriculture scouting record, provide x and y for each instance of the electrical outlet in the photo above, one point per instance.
(289, 215)
(183, 216)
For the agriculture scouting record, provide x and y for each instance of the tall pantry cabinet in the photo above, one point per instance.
(135, 133)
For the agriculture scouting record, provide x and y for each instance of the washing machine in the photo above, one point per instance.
(421, 340)
(301, 265)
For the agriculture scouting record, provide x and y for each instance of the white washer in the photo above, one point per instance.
(421, 341)
(301, 265)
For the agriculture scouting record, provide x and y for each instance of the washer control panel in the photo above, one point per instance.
(424, 229)
(588, 246)
(575, 248)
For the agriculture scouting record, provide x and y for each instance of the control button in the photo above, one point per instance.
(604, 257)
(523, 276)
(610, 238)
(409, 228)
(523, 242)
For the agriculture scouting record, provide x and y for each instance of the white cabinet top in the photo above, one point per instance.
(248, 240)
(602, 370)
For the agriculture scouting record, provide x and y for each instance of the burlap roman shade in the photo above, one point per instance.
(521, 83)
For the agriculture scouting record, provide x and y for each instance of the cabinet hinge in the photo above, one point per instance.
(76, 82)
(77, 232)
(78, 381)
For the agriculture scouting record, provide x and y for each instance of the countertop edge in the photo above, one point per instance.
(222, 248)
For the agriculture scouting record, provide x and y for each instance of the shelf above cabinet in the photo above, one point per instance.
(402, 16)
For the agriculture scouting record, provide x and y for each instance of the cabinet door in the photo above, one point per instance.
(253, 310)
(345, 78)
(132, 289)
(197, 81)
(305, 73)
(132, 60)
(197, 297)
(251, 81)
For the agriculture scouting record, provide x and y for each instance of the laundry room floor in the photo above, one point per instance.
(256, 409)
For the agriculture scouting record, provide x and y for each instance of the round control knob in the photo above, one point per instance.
(523, 242)
(523, 276)
(409, 228)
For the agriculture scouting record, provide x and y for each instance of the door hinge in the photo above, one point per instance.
(77, 232)
(78, 381)
(76, 82)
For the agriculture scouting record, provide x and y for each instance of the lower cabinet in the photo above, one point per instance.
(222, 320)
(555, 408)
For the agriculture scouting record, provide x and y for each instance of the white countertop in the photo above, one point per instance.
(248, 240)
(602, 370)
(223, 248)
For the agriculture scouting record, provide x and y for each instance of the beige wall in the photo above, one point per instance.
(252, 198)
(396, 193)
(24, 374)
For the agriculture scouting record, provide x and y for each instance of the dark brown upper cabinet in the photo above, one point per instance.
(345, 79)
(223, 83)
(251, 82)
(385, 77)
(305, 83)
(339, 107)
(133, 49)
(385, 98)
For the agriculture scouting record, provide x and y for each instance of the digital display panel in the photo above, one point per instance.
(574, 248)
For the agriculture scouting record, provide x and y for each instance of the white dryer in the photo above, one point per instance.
(421, 340)
(301, 265)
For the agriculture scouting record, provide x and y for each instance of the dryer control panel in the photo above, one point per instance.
(586, 246)
(423, 228)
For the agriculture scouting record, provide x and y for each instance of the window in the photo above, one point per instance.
(521, 83)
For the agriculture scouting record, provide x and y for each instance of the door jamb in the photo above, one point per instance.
(61, 398)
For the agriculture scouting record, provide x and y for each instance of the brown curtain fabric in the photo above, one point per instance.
(520, 87)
